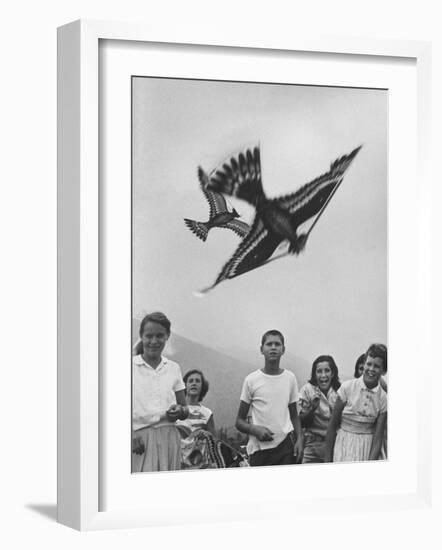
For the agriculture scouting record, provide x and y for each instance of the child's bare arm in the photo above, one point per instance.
(296, 421)
(378, 437)
(333, 426)
(260, 432)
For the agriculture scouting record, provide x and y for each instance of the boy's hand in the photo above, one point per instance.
(173, 412)
(138, 446)
(262, 433)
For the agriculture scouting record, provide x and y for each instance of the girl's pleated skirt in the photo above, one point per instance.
(162, 449)
(353, 441)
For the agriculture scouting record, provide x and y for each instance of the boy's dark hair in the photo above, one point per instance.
(272, 332)
(204, 383)
(155, 317)
(335, 383)
(378, 350)
(360, 360)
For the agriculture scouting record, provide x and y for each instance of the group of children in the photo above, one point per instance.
(325, 421)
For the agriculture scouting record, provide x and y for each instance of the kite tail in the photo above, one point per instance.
(200, 229)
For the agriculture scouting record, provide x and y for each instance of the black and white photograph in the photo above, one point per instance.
(218, 221)
(259, 274)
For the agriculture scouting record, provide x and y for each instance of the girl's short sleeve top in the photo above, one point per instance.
(362, 404)
(322, 414)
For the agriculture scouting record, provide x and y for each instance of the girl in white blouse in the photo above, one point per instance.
(158, 400)
(357, 426)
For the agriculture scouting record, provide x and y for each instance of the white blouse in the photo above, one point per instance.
(153, 390)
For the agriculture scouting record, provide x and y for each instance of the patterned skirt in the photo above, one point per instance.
(201, 450)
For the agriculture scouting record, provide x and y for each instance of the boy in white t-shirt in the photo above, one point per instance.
(270, 395)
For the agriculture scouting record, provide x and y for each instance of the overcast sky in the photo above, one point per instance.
(333, 297)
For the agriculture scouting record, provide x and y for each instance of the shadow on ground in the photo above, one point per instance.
(48, 511)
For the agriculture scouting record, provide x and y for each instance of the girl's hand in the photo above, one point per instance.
(138, 446)
(315, 402)
(262, 433)
(173, 412)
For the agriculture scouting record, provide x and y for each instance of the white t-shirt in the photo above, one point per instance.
(153, 390)
(269, 396)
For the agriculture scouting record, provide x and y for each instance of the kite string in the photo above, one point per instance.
(323, 208)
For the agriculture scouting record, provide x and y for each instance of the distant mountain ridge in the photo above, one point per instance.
(225, 373)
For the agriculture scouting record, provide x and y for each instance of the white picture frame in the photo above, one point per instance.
(80, 292)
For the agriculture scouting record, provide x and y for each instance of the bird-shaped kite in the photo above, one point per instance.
(219, 216)
(276, 220)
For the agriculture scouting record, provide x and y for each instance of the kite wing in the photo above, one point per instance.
(239, 227)
(217, 203)
(258, 245)
(310, 198)
(240, 177)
